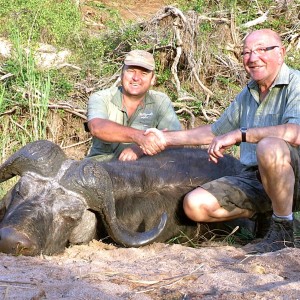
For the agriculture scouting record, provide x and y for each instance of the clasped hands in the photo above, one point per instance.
(155, 142)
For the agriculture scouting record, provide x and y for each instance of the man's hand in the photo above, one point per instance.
(159, 133)
(131, 153)
(220, 143)
(154, 141)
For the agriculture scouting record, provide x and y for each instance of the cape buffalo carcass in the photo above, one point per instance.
(58, 201)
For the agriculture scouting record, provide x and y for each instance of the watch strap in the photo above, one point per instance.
(244, 133)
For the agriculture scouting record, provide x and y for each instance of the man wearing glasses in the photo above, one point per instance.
(264, 119)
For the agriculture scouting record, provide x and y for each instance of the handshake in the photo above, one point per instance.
(152, 141)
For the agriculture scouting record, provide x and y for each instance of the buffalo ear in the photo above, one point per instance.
(86, 229)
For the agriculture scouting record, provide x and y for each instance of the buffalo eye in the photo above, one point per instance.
(21, 189)
(18, 191)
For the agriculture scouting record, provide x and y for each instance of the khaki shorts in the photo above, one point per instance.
(246, 190)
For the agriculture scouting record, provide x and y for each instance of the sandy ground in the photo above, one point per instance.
(157, 271)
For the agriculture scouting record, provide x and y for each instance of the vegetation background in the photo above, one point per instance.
(55, 53)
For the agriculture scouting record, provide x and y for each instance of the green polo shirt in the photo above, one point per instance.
(281, 106)
(156, 111)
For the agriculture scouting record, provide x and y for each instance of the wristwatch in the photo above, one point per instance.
(243, 131)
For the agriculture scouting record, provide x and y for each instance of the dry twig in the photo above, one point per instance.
(6, 76)
(9, 112)
(158, 284)
(69, 108)
(182, 25)
(20, 126)
(76, 144)
(259, 20)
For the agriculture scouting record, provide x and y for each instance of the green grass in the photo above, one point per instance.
(227, 236)
(54, 22)
(29, 91)
(293, 58)
(2, 100)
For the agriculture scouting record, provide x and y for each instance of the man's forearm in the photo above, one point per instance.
(197, 136)
(112, 132)
(288, 132)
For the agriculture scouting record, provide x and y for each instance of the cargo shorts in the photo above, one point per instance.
(246, 191)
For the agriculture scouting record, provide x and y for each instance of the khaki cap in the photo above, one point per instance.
(140, 58)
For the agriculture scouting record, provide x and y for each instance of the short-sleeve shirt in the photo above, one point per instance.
(280, 106)
(156, 111)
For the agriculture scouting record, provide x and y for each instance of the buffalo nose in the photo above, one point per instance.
(14, 242)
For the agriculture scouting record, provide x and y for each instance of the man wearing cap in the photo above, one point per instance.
(119, 116)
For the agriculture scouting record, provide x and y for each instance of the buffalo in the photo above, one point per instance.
(59, 201)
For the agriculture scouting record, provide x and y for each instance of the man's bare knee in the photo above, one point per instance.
(271, 145)
(198, 203)
(271, 150)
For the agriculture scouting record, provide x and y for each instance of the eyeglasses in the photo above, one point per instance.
(258, 51)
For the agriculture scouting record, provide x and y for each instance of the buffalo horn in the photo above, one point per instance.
(93, 182)
(42, 157)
